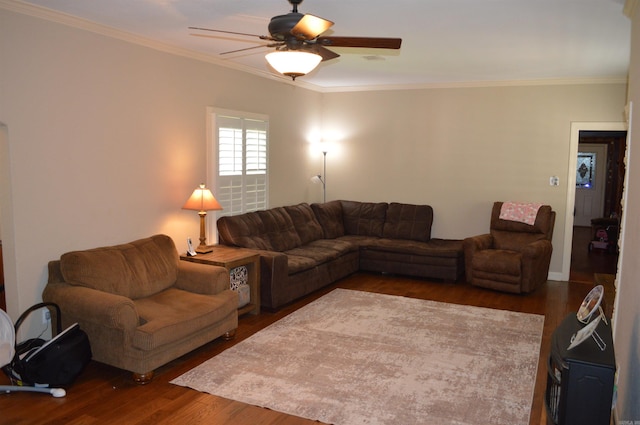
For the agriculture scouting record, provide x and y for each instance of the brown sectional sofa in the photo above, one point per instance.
(305, 247)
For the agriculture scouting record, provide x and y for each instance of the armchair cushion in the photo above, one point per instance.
(498, 261)
(134, 270)
(173, 314)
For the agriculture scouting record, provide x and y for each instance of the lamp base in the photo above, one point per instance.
(204, 249)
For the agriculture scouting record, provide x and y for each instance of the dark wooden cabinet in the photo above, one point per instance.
(580, 381)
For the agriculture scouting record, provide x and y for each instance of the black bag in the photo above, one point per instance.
(53, 363)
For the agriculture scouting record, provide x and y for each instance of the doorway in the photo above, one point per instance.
(600, 173)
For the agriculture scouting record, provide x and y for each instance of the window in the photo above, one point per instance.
(238, 162)
(586, 169)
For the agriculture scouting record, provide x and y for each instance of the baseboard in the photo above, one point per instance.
(556, 276)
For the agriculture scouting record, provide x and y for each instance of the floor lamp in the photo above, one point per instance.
(322, 178)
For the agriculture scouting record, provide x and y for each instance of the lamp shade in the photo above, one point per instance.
(293, 63)
(202, 200)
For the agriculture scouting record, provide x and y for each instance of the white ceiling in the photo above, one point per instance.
(445, 42)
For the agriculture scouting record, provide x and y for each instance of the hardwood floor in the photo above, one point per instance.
(585, 262)
(103, 394)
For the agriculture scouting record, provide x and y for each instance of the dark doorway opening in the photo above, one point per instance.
(588, 259)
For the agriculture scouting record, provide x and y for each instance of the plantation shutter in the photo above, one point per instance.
(241, 185)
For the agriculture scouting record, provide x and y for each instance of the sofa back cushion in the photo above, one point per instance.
(329, 215)
(407, 221)
(280, 230)
(305, 222)
(364, 218)
(245, 230)
(134, 270)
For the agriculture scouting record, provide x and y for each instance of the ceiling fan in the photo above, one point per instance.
(299, 43)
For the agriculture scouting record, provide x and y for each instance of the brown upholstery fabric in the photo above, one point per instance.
(134, 270)
(406, 221)
(174, 314)
(364, 218)
(245, 230)
(279, 228)
(329, 216)
(305, 222)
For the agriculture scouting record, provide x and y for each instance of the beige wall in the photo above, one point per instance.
(460, 150)
(106, 141)
(627, 309)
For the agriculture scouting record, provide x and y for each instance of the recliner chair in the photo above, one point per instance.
(513, 256)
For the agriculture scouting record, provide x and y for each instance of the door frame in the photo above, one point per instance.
(576, 128)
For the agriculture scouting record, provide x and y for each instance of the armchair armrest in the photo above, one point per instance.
(536, 258)
(471, 246)
(90, 306)
(202, 279)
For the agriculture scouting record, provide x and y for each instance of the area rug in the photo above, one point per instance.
(354, 357)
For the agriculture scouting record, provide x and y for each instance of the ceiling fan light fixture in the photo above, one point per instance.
(293, 63)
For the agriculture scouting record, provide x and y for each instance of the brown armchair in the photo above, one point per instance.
(514, 256)
(140, 305)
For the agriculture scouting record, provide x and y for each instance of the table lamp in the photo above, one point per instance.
(202, 200)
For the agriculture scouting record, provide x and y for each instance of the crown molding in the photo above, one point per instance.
(481, 84)
(630, 7)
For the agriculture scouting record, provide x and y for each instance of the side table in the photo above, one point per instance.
(230, 258)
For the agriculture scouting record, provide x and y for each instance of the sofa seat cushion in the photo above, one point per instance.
(358, 241)
(497, 262)
(174, 314)
(134, 270)
(407, 221)
(435, 248)
(299, 263)
(323, 250)
(342, 245)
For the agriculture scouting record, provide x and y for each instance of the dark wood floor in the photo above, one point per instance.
(106, 395)
(585, 262)
(103, 394)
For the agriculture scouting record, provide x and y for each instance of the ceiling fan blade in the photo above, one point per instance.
(262, 37)
(325, 53)
(250, 48)
(310, 26)
(370, 42)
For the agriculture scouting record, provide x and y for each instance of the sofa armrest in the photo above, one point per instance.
(202, 279)
(274, 275)
(471, 246)
(86, 305)
(536, 258)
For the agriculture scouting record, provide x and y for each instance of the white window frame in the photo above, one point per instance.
(213, 172)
